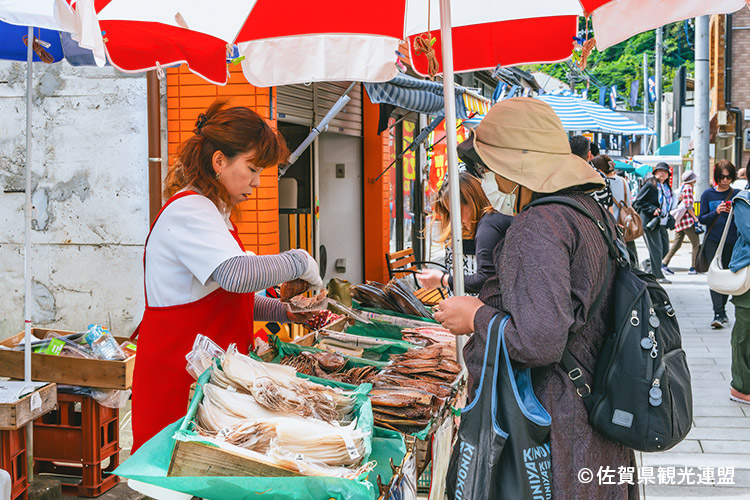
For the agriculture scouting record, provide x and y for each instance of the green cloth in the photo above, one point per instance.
(741, 343)
(151, 462)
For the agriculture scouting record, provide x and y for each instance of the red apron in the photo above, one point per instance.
(161, 384)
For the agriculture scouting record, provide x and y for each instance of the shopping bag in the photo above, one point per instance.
(502, 450)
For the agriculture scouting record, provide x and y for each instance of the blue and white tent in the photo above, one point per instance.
(425, 96)
(577, 113)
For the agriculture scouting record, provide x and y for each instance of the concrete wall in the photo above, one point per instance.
(90, 190)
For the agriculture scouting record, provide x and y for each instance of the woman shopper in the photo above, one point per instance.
(740, 386)
(198, 278)
(479, 222)
(553, 261)
(685, 224)
(715, 206)
(653, 203)
(620, 190)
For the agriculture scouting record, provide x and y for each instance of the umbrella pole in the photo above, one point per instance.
(27, 250)
(449, 95)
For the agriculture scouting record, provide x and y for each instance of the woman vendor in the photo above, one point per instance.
(198, 278)
(550, 271)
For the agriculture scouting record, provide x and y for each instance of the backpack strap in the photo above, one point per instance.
(567, 361)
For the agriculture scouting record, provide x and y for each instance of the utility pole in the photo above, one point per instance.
(644, 142)
(658, 77)
(701, 129)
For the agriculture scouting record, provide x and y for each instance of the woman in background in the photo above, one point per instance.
(480, 224)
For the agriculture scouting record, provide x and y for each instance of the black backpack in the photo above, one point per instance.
(641, 395)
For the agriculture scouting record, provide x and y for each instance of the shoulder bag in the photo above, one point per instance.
(724, 280)
(701, 261)
(502, 450)
(629, 219)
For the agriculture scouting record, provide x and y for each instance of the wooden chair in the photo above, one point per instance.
(402, 263)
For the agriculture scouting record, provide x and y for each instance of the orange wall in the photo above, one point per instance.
(189, 95)
(376, 206)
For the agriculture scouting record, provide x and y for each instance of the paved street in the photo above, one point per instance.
(721, 428)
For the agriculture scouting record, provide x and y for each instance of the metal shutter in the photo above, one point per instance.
(295, 104)
(349, 120)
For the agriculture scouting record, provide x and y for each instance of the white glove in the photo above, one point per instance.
(312, 270)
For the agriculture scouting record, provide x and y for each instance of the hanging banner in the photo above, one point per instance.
(651, 89)
(613, 97)
(634, 86)
(437, 158)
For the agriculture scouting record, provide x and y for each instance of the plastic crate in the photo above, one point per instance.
(13, 460)
(79, 443)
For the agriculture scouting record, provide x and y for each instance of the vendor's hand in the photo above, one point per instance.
(457, 314)
(657, 212)
(430, 278)
(300, 317)
(312, 271)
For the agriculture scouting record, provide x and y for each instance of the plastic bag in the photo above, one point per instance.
(202, 355)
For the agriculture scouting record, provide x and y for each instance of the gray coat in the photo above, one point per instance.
(550, 269)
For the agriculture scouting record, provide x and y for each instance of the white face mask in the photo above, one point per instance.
(505, 203)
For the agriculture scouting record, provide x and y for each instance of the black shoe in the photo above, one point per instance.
(724, 319)
(716, 323)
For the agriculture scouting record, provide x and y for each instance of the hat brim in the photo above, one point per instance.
(539, 171)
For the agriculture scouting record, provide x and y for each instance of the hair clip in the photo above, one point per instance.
(202, 119)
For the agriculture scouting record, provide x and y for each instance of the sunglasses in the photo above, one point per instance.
(723, 176)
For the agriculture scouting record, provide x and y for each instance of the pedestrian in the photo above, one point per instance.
(685, 219)
(740, 386)
(620, 190)
(715, 206)
(198, 278)
(481, 224)
(550, 272)
(741, 182)
(653, 203)
(581, 147)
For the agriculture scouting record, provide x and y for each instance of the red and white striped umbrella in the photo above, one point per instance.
(293, 41)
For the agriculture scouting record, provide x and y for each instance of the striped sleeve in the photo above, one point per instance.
(252, 273)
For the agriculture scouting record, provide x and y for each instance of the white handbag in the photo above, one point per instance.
(724, 280)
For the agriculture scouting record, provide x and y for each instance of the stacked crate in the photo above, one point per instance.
(13, 460)
(79, 443)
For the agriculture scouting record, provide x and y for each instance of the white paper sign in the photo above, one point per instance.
(36, 401)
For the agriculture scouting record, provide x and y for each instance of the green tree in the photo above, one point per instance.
(621, 64)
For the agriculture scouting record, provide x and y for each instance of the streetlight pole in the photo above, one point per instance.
(658, 77)
(701, 129)
(644, 144)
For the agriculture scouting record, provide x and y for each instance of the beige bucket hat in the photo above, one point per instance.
(523, 140)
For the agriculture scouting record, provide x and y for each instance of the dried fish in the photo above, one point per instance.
(401, 397)
(293, 288)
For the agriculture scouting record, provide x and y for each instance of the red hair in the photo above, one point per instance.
(233, 131)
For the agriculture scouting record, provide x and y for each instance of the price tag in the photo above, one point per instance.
(36, 401)
(351, 448)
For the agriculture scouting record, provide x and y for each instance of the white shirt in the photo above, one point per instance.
(189, 241)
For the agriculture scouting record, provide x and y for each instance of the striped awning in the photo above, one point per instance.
(425, 96)
(577, 113)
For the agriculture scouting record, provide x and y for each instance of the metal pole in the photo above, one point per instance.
(449, 95)
(644, 142)
(701, 129)
(153, 99)
(658, 77)
(28, 208)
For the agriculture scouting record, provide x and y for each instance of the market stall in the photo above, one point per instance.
(351, 409)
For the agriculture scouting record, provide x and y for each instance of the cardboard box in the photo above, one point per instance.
(97, 373)
(30, 407)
